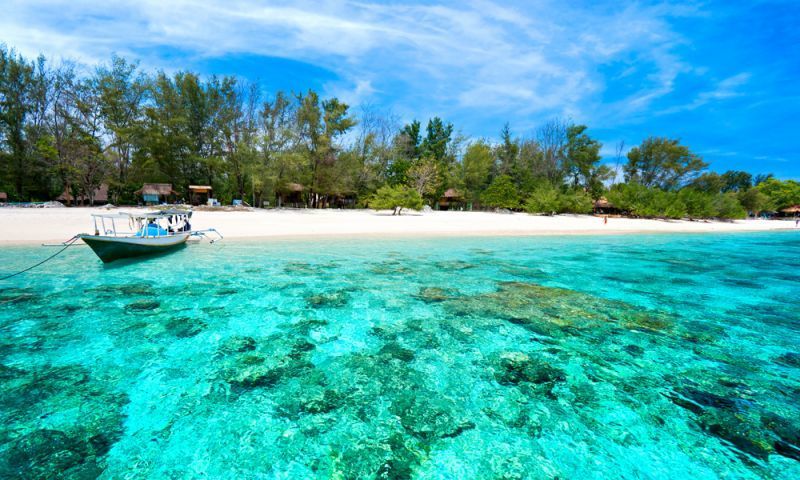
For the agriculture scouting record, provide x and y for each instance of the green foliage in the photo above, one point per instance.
(753, 200)
(501, 193)
(662, 163)
(575, 201)
(396, 198)
(727, 206)
(477, 164)
(642, 201)
(698, 203)
(545, 200)
(781, 194)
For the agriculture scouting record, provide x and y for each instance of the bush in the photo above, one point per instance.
(642, 201)
(726, 205)
(543, 200)
(698, 204)
(396, 198)
(501, 194)
(575, 201)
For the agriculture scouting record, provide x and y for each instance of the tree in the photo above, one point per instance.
(663, 163)
(437, 138)
(582, 156)
(477, 165)
(727, 206)
(501, 194)
(423, 176)
(396, 198)
(544, 199)
(753, 200)
(507, 152)
(781, 194)
(121, 92)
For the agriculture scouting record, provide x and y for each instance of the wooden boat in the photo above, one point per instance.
(124, 235)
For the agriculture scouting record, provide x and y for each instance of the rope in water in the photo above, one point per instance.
(67, 244)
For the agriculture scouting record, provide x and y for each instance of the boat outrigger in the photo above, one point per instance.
(126, 235)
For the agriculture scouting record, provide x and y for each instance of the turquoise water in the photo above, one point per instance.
(669, 356)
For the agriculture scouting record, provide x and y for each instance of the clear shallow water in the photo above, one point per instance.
(586, 357)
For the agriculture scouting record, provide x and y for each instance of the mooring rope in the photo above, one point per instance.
(67, 244)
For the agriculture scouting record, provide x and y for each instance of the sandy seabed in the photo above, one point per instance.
(30, 226)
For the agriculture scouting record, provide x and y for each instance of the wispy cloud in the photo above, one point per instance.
(538, 57)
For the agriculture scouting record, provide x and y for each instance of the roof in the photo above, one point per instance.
(452, 193)
(792, 209)
(3, 196)
(294, 187)
(100, 195)
(156, 189)
(603, 202)
(200, 188)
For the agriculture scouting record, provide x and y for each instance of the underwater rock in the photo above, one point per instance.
(10, 373)
(401, 461)
(42, 454)
(237, 344)
(790, 359)
(517, 367)
(141, 289)
(253, 371)
(300, 348)
(225, 292)
(185, 327)
(428, 417)
(634, 350)
(305, 325)
(742, 435)
(788, 433)
(328, 300)
(434, 294)
(396, 351)
(453, 265)
(142, 305)
(389, 267)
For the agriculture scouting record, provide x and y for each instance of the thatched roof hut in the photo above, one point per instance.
(100, 195)
(603, 206)
(794, 209)
(3, 197)
(452, 193)
(156, 192)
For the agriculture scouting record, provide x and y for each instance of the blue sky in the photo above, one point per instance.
(722, 76)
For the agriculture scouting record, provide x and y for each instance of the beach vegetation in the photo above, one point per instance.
(64, 133)
(501, 193)
(396, 198)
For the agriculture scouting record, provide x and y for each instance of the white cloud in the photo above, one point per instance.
(537, 58)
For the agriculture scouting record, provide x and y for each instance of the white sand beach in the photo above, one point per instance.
(39, 225)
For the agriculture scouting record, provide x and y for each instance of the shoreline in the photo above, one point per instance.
(21, 227)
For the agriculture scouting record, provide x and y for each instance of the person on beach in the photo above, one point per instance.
(605, 219)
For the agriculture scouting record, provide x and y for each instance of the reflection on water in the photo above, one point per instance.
(588, 357)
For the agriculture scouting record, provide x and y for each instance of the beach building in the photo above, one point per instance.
(3, 197)
(291, 195)
(792, 211)
(99, 197)
(199, 194)
(155, 193)
(451, 199)
(603, 207)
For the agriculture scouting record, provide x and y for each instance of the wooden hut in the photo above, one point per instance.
(451, 199)
(199, 194)
(291, 195)
(3, 197)
(155, 193)
(792, 211)
(603, 207)
(99, 197)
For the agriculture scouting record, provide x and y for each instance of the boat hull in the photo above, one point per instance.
(109, 249)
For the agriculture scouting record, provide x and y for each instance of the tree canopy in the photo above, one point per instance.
(62, 131)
